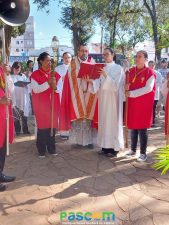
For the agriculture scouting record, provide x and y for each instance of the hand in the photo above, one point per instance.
(52, 83)
(127, 87)
(127, 94)
(63, 78)
(7, 69)
(5, 101)
(87, 79)
(103, 72)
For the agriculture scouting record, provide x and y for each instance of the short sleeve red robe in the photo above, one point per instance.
(140, 109)
(42, 102)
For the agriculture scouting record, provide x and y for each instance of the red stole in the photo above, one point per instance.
(3, 117)
(140, 109)
(67, 111)
(42, 102)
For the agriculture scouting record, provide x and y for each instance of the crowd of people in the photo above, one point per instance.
(79, 109)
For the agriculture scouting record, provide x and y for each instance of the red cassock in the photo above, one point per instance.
(67, 113)
(3, 117)
(140, 109)
(42, 102)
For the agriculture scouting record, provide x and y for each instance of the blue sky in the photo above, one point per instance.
(47, 26)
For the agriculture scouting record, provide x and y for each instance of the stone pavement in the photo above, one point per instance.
(81, 180)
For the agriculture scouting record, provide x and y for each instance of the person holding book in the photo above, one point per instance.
(78, 104)
(20, 98)
(110, 88)
(140, 92)
(5, 101)
(46, 104)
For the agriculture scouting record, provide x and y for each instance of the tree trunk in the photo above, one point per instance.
(153, 15)
(8, 31)
(115, 23)
(75, 40)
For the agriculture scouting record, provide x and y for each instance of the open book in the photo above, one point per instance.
(21, 83)
(90, 69)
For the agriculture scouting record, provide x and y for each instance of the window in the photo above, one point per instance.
(17, 42)
(17, 50)
(21, 42)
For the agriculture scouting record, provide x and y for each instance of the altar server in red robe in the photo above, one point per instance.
(43, 84)
(4, 102)
(140, 91)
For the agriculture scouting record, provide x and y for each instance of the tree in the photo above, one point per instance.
(131, 33)
(116, 16)
(158, 11)
(77, 16)
(12, 32)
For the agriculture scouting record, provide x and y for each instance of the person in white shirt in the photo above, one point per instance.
(20, 99)
(159, 81)
(164, 69)
(62, 69)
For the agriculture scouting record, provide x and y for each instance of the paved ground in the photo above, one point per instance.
(81, 180)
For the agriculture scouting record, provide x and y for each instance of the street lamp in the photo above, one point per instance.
(55, 48)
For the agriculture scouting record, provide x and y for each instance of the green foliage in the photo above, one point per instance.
(125, 22)
(162, 158)
(24, 66)
(78, 18)
(12, 32)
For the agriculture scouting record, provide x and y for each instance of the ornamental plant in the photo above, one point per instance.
(162, 159)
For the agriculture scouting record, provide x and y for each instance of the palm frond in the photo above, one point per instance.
(162, 159)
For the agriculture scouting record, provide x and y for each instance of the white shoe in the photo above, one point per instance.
(130, 154)
(142, 158)
(42, 156)
(54, 154)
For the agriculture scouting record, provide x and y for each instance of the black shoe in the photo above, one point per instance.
(18, 133)
(2, 187)
(6, 179)
(90, 146)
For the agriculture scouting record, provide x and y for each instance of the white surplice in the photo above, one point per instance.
(20, 96)
(62, 70)
(110, 101)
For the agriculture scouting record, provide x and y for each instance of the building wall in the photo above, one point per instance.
(21, 45)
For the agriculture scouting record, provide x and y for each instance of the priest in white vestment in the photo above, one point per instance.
(110, 88)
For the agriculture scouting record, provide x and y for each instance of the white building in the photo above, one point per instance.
(21, 45)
